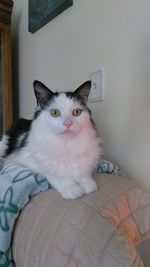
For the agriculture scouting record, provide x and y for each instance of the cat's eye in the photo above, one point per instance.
(76, 112)
(55, 112)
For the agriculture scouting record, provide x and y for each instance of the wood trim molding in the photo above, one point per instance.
(6, 77)
(5, 46)
(6, 10)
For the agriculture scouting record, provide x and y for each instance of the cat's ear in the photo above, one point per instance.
(83, 91)
(42, 93)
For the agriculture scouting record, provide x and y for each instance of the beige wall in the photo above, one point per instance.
(90, 35)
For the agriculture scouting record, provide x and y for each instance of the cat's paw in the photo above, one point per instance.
(89, 185)
(73, 192)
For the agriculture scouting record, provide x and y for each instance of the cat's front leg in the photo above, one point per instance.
(69, 189)
(72, 191)
(88, 185)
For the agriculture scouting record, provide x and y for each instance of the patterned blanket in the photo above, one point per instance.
(17, 186)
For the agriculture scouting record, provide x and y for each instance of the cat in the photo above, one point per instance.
(60, 142)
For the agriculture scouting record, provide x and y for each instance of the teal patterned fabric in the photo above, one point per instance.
(17, 186)
(105, 166)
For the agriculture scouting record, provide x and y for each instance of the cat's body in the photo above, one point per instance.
(60, 142)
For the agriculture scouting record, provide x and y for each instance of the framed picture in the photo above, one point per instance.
(41, 12)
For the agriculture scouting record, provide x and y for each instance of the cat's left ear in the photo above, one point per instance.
(42, 93)
(83, 91)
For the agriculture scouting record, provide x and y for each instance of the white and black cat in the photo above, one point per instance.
(60, 142)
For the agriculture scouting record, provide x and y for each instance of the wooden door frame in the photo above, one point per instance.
(5, 35)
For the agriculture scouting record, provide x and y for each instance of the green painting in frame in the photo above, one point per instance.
(42, 11)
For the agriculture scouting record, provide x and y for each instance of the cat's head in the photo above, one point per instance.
(63, 112)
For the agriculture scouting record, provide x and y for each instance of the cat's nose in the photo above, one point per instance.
(68, 123)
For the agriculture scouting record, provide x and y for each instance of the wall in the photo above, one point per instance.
(114, 35)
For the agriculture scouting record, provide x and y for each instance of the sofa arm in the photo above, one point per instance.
(99, 229)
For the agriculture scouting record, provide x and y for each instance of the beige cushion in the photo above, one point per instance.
(100, 229)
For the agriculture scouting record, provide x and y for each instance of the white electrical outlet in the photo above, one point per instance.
(96, 93)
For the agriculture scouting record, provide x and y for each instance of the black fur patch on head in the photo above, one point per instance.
(80, 100)
(44, 106)
(45, 96)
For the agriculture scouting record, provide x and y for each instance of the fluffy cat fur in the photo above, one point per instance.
(60, 142)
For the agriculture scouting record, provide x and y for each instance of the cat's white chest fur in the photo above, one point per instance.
(67, 161)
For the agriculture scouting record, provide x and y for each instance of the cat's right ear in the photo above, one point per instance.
(83, 91)
(42, 93)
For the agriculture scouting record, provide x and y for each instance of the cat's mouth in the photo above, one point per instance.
(67, 132)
